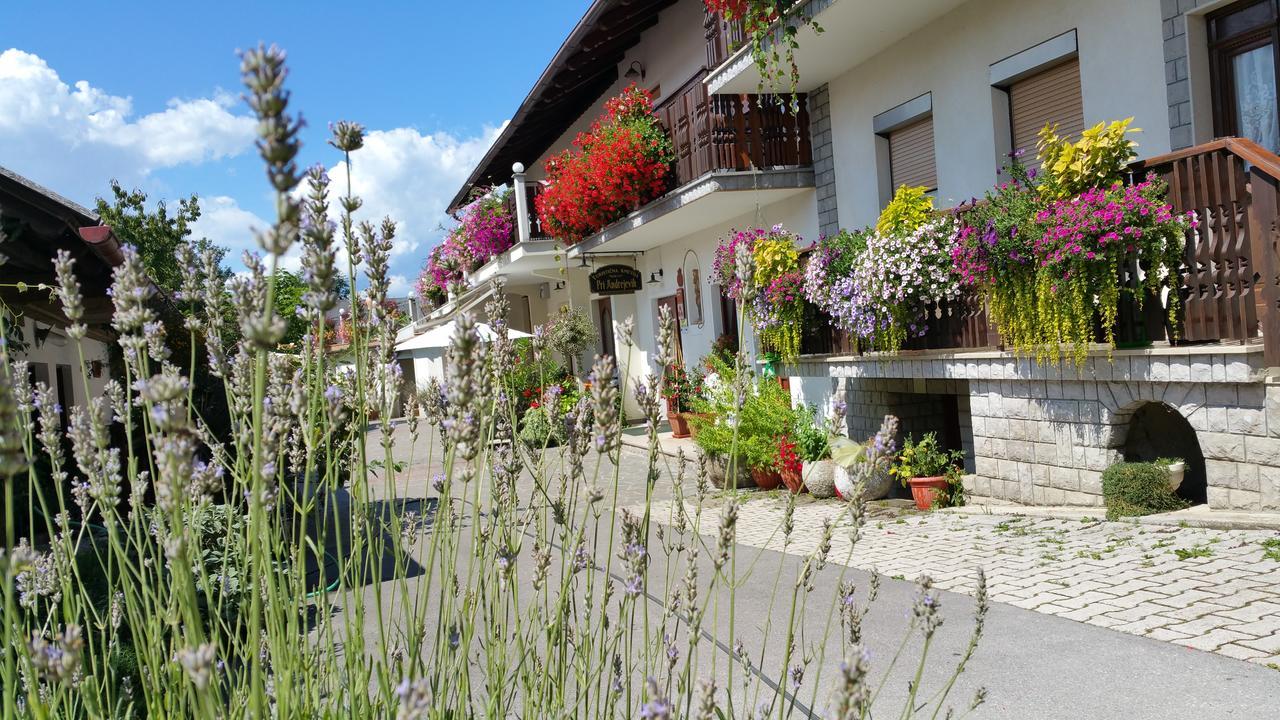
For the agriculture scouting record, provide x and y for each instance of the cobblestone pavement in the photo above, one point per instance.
(1212, 590)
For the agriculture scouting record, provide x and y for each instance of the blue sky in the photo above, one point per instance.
(150, 95)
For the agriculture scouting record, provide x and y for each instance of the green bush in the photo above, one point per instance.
(537, 430)
(765, 417)
(811, 439)
(1132, 489)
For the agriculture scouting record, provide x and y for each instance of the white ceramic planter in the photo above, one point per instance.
(1177, 471)
(878, 485)
(820, 478)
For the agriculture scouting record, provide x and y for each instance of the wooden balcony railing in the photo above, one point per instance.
(1230, 277)
(723, 38)
(732, 132)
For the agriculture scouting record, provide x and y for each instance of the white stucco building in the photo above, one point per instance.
(937, 93)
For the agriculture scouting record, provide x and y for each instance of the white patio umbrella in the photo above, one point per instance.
(440, 336)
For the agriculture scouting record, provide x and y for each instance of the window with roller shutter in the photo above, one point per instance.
(911, 159)
(1051, 96)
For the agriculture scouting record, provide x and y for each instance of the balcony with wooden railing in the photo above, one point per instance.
(1230, 287)
(712, 133)
(747, 146)
(724, 37)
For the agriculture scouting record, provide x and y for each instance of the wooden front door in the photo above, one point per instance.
(605, 314)
(1243, 49)
(670, 302)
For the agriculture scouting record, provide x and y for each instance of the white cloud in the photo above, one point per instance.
(228, 225)
(74, 138)
(411, 177)
(400, 286)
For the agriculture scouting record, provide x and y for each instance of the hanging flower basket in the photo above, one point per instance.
(761, 269)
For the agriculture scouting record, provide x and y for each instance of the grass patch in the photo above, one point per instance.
(1193, 552)
(1271, 549)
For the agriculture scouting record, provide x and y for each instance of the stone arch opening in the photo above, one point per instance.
(1157, 430)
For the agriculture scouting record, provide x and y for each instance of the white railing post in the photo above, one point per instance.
(522, 202)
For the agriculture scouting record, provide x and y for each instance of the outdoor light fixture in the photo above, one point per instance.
(635, 71)
(653, 277)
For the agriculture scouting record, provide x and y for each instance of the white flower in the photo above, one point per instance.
(711, 385)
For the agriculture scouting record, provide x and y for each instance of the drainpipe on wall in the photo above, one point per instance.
(522, 202)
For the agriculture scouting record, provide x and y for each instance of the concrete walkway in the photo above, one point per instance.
(1214, 590)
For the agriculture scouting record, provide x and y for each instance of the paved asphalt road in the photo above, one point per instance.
(1034, 666)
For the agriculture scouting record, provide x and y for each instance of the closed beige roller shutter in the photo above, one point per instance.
(911, 155)
(1052, 96)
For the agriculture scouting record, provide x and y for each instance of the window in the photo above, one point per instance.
(1242, 61)
(911, 159)
(605, 307)
(1049, 97)
(906, 146)
(1036, 87)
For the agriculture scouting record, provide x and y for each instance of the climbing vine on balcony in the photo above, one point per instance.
(621, 163)
(773, 44)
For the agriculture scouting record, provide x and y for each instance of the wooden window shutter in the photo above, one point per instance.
(911, 159)
(1051, 96)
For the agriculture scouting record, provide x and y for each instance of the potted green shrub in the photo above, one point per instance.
(1177, 469)
(766, 417)
(570, 333)
(752, 432)
(539, 430)
(928, 470)
(726, 464)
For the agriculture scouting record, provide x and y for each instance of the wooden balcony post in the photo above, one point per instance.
(1263, 218)
(522, 202)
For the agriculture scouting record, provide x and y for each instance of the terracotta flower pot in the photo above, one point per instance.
(794, 480)
(766, 478)
(679, 424)
(693, 426)
(924, 490)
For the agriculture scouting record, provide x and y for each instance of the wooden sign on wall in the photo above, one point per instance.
(615, 280)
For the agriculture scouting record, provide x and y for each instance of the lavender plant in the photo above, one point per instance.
(281, 572)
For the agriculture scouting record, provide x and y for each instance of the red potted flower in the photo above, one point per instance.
(680, 390)
(790, 466)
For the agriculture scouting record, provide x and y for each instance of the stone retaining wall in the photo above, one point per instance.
(1043, 435)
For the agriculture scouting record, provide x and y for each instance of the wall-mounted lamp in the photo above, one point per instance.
(635, 71)
(654, 277)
